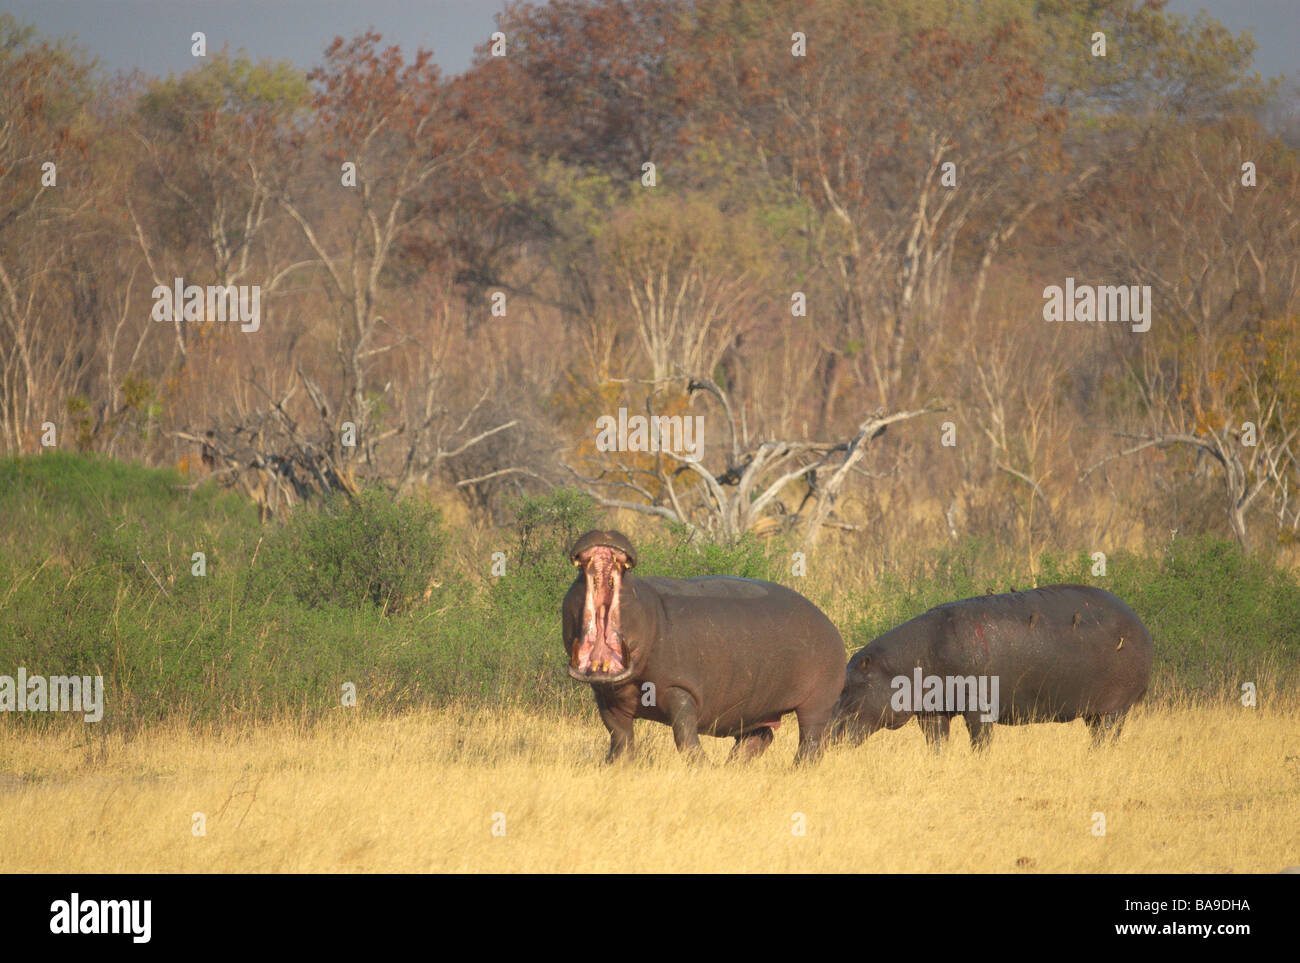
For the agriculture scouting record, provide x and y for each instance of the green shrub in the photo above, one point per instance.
(544, 529)
(547, 525)
(371, 549)
(680, 556)
(1219, 617)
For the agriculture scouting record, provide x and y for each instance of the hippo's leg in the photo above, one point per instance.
(750, 745)
(981, 732)
(1105, 727)
(621, 744)
(617, 711)
(685, 720)
(812, 726)
(935, 729)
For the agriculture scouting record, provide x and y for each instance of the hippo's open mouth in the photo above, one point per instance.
(600, 654)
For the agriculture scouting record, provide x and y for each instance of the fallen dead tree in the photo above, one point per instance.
(282, 453)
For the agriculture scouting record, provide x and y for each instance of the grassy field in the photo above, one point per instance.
(1187, 789)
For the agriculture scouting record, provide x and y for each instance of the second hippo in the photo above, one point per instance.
(1050, 654)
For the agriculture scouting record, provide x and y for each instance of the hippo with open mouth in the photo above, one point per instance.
(1050, 654)
(715, 655)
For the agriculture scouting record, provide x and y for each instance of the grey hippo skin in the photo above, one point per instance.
(715, 655)
(1059, 653)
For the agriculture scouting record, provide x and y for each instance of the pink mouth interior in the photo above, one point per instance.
(600, 650)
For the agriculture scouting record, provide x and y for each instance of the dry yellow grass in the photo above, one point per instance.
(1185, 790)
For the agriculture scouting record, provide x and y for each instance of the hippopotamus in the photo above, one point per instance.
(1050, 654)
(716, 655)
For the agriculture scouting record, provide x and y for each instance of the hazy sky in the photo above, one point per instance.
(154, 35)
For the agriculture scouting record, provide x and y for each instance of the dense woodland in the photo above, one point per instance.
(463, 273)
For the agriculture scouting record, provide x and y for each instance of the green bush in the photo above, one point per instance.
(370, 549)
(546, 526)
(680, 556)
(544, 529)
(1219, 617)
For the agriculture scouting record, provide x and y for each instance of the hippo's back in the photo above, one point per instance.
(761, 615)
(1060, 651)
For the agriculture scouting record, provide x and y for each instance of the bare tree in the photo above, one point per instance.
(688, 281)
(758, 480)
(1243, 413)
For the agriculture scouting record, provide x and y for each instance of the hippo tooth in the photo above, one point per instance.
(1121, 644)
